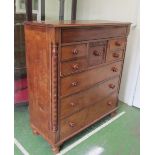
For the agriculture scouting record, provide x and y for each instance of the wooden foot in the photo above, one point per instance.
(55, 149)
(113, 114)
(35, 132)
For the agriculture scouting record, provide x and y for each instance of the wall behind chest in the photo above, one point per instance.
(52, 9)
(119, 10)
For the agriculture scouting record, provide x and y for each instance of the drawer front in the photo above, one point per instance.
(117, 44)
(114, 55)
(73, 51)
(77, 82)
(73, 66)
(72, 124)
(101, 108)
(91, 33)
(79, 120)
(72, 104)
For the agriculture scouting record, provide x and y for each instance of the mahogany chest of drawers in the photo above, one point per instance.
(74, 72)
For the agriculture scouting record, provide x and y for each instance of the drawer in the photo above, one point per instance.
(117, 44)
(91, 33)
(101, 108)
(73, 51)
(114, 55)
(73, 66)
(72, 124)
(81, 81)
(96, 53)
(72, 104)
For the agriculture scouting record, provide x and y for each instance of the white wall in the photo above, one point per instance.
(136, 101)
(119, 10)
(52, 9)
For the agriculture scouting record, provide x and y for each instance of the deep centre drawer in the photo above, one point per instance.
(81, 81)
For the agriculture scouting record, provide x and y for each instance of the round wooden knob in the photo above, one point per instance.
(75, 52)
(112, 86)
(96, 53)
(74, 84)
(72, 104)
(115, 55)
(75, 66)
(71, 124)
(114, 69)
(109, 103)
(117, 43)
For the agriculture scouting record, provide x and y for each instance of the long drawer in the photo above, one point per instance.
(81, 81)
(101, 108)
(87, 116)
(87, 33)
(74, 103)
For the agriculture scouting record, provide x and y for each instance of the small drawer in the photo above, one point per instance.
(73, 103)
(84, 80)
(72, 124)
(114, 55)
(117, 44)
(73, 66)
(73, 51)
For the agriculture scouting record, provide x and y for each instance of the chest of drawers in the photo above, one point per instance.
(74, 73)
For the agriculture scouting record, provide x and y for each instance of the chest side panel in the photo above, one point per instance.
(38, 59)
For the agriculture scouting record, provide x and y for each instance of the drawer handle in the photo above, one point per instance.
(115, 55)
(72, 104)
(75, 52)
(96, 53)
(109, 103)
(114, 69)
(74, 84)
(117, 43)
(72, 124)
(75, 66)
(112, 86)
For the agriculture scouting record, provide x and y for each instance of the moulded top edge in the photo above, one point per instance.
(77, 23)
